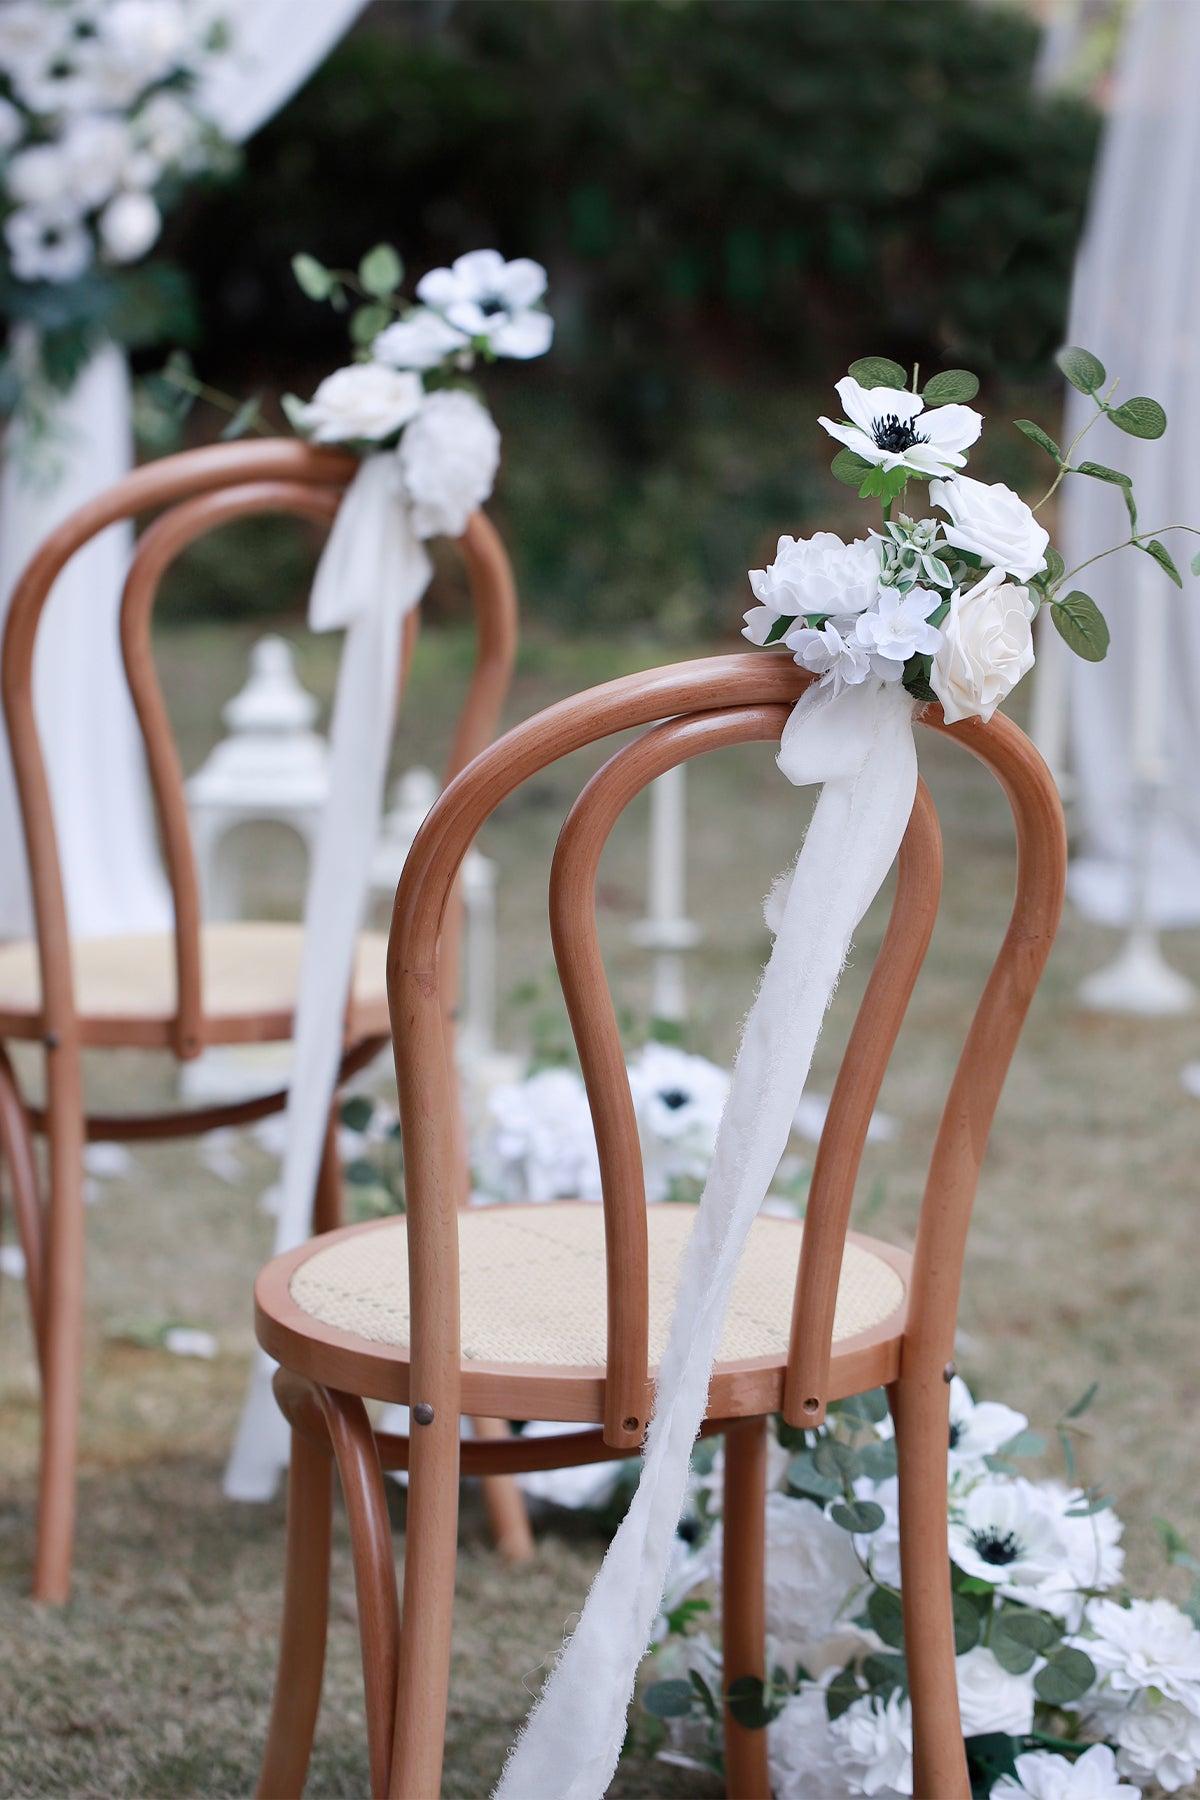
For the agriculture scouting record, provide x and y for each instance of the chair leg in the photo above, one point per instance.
(508, 1515)
(743, 1606)
(920, 1406)
(302, 1636)
(327, 1199)
(374, 1571)
(16, 1145)
(61, 1322)
(429, 1567)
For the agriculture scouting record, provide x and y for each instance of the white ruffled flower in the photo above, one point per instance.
(493, 303)
(449, 456)
(41, 177)
(420, 341)
(1044, 1775)
(874, 1745)
(1157, 1741)
(96, 152)
(890, 427)
(979, 1428)
(129, 226)
(1147, 1644)
(819, 574)
(840, 661)
(47, 244)
(899, 628)
(364, 401)
(987, 647)
(993, 523)
(1092, 1554)
(540, 1143)
(678, 1100)
(800, 1749)
(1001, 1532)
(989, 1698)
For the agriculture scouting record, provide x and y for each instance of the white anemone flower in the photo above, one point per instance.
(979, 1428)
(1093, 1558)
(1044, 1775)
(1002, 1533)
(1147, 1644)
(678, 1099)
(422, 340)
(47, 244)
(899, 628)
(492, 302)
(874, 1745)
(839, 660)
(891, 428)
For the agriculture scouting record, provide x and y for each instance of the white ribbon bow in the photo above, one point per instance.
(859, 744)
(374, 570)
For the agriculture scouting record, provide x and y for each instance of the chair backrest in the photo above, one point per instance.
(706, 705)
(197, 492)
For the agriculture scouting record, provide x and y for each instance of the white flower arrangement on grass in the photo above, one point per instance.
(944, 604)
(101, 122)
(1068, 1688)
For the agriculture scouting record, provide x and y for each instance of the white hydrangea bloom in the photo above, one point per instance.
(874, 1746)
(449, 456)
(1147, 1644)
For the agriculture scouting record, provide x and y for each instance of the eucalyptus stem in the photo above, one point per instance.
(200, 390)
(1065, 467)
(1150, 532)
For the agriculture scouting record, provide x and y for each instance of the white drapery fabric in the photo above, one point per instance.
(1135, 305)
(860, 746)
(373, 571)
(111, 869)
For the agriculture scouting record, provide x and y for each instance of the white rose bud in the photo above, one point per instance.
(448, 456)
(129, 225)
(995, 524)
(365, 401)
(987, 646)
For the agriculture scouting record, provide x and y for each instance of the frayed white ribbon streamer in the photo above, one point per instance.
(860, 745)
(373, 571)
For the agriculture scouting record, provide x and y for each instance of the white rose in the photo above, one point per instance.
(449, 456)
(987, 646)
(40, 176)
(1156, 1741)
(800, 1748)
(989, 1698)
(363, 401)
(129, 225)
(420, 341)
(819, 574)
(97, 152)
(992, 522)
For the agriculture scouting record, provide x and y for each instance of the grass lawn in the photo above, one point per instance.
(155, 1680)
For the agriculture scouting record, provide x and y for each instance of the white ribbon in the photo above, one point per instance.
(373, 571)
(860, 745)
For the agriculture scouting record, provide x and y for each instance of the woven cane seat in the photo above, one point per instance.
(125, 986)
(533, 1288)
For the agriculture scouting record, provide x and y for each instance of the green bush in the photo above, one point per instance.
(733, 197)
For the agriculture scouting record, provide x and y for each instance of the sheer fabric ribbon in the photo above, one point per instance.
(859, 744)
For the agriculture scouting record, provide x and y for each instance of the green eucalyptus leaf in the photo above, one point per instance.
(878, 371)
(704, 1694)
(1067, 1676)
(950, 385)
(669, 1699)
(361, 1173)
(858, 1516)
(295, 411)
(849, 468)
(885, 1670)
(870, 1408)
(1140, 416)
(1099, 472)
(878, 1460)
(842, 1692)
(1082, 627)
(1196, 563)
(1015, 1658)
(886, 1616)
(1080, 1406)
(380, 272)
(1163, 558)
(1041, 438)
(804, 1478)
(836, 1460)
(356, 1112)
(748, 1703)
(1035, 1630)
(247, 416)
(366, 323)
(968, 1623)
(1083, 370)
(1055, 569)
(313, 278)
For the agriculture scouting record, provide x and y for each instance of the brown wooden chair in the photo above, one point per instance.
(560, 1311)
(202, 984)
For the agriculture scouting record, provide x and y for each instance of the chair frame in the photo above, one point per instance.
(325, 1373)
(198, 491)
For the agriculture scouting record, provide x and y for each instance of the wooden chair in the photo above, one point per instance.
(201, 984)
(560, 1311)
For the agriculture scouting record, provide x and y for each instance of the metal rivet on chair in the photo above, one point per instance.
(423, 1413)
(949, 1372)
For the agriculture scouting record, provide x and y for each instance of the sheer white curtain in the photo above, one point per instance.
(1136, 303)
(111, 869)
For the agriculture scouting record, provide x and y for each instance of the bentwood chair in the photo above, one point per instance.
(560, 1311)
(200, 984)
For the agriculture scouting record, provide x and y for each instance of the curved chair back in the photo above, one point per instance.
(706, 705)
(197, 492)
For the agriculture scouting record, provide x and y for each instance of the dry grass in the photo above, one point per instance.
(154, 1681)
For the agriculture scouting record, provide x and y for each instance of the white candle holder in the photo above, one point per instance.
(666, 931)
(1139, 980)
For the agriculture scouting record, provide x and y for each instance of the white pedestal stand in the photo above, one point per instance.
(1139, 979)
(666, 931)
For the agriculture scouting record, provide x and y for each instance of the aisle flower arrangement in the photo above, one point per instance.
(101, 124)
(1070, 1689)
(944, 601)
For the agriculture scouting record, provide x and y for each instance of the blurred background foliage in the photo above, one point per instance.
(734, 198)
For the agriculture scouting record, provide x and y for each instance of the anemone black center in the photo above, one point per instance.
(955, 1433)
(490, 306)
(996, 1547)
(892, 433)
(673, 1099)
